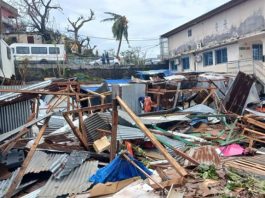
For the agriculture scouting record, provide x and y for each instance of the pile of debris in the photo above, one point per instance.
(186, 135)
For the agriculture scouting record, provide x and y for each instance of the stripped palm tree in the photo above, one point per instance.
(119, 28)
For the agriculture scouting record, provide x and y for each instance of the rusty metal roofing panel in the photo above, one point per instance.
(205, 155)
(76, 182)
(42, 161)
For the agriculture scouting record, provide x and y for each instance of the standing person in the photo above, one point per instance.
(107, 58)
(103, 59)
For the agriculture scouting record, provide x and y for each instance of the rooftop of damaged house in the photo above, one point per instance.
(194, 129)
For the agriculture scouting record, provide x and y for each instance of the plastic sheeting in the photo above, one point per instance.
(119, 169)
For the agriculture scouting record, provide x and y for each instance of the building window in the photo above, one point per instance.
(173, 65)
(257, 51)
(39, 50)
(185, 63)
(189, 33)
(208, 58)
(221, 56)
(54, 50)
(22, 50)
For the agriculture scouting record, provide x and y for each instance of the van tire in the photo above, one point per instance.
(43, 61)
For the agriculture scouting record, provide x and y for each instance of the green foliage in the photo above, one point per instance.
(86, 78)
(133, 56)
(119, 27)
(253, 186)
(208, 172)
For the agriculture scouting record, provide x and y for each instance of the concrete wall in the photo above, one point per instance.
(39, 72)
(236, 29)
(241, 20)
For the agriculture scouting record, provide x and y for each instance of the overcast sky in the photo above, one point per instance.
(148, 19)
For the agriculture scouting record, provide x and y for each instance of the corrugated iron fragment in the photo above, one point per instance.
(205, 155)
(74, 183)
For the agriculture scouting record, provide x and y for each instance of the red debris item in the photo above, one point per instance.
(231, 150)
(129, 147)
(261, 109)
(147, 104)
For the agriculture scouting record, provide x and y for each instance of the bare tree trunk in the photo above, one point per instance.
(119, 47)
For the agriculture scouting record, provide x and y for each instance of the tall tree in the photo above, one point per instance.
(39, 12)
(77, 25)
(119, 28)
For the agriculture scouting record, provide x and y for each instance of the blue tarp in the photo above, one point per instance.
(119, 169)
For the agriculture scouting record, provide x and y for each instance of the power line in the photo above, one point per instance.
(113, 39)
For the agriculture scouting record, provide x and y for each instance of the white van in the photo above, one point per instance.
(39, 53)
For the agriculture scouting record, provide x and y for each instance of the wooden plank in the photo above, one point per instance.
(11, 143)
(76, 131)
(26, 162)
(255, 122)
(159, 146)
(81, 122)
(114, 128)
(17, 130)
(92, 108)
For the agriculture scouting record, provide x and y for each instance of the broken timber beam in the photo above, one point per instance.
(153, 139)
(76, 131)
(113, 148)
(26, 162)
(10, 143)
(92, 108)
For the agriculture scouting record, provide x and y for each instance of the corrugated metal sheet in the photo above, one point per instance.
(75, 159)
(14, 115)
(76, 182)
(15, 131)
(205, 155)
(94, 122)
(130, 93)
(129, 133)
(42, 161)
(5, 184)
(33, 194)
(16, 87)
(11, 96)
(175, 144)
(125, 119)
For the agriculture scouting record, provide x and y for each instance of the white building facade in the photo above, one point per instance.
(226, 39)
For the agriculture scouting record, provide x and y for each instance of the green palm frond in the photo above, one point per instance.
(113, 14)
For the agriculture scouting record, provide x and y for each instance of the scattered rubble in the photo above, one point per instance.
(186, 135)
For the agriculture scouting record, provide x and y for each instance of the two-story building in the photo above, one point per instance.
(226, 39)
(8, 18)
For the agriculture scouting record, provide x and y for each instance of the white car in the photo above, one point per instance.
(112, 61)
(152, 61)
